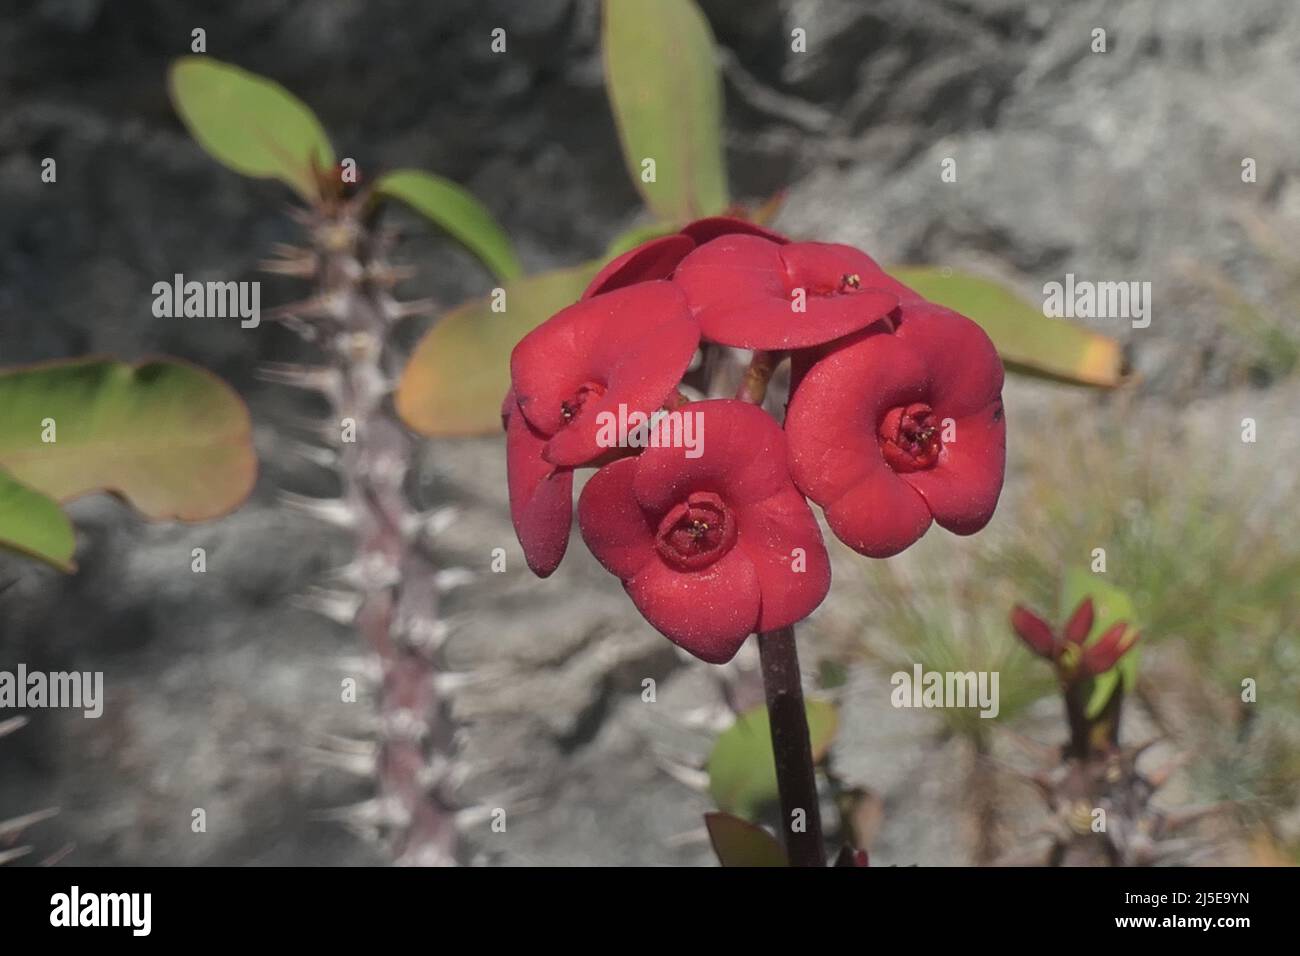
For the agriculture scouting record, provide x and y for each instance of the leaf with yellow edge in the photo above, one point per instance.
(169, 437)
(460, 371)
(738, 842)
(661, 74)
(1027, 341)
(453, 208)
(249, 123)
(33, 524)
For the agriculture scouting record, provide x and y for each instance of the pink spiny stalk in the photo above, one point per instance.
(389, 591)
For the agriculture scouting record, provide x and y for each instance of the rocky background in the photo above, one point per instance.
(222, 694)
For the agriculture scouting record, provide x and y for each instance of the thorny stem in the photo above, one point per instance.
(394, 578)
(796, 777)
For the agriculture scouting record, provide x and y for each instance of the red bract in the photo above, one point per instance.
(1067, 651)
(712, 548)
(889, 431)
(658, 258)
(541, 495)
(629, 347)
(752, 293)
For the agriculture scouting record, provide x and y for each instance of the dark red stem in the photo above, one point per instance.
(796, 777)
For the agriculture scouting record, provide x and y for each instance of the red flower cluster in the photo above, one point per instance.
(1074, 659)
(895, 420)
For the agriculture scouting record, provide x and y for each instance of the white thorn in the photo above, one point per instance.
(319, 378)
(472, 817)
(332, 511)
(422, 634)
(430, 524)
(395, 310)
(358, 765)
(367, 668)
(714, 718)
(300, 267)
(451, 578)
(688, 838)
(16, 825)
(341, 607)
(376, 813)
(405, 725)
(691, 777)
(17, 852)
(448, 683)
(336, 743)
(370, 572)
(316, 454)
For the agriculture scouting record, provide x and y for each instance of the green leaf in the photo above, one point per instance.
(1110, 605)
(455, 210)
(738, 842)
(251, 124)
(460, 371)
(169, 437)
(1028, 341)
(742, 770)
(661, 74)
(34, 525)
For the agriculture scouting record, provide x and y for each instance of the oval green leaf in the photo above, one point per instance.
(455, 210)
(1027, 341)
(33, 524)
(661, 74)
(742, 770)
(1110, 605)
(249, 123)
(169, 437)
(738, 842)
(460, 371)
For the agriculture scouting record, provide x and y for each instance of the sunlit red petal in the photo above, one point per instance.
(743, 294)
(879, 516)
(541, 497)
(833, 419)
(613, 524)
(743, 458)
(708, 612)
(655, 259)
(634, 343)
(965, 370)
(963, 487)
(706, 230)
(782, 539)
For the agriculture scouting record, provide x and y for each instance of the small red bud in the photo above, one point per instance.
(1080, 624)
(1108, 649)
(1034, 631)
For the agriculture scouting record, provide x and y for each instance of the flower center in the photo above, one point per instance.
(909, 437)
(570, 407)
(696, 532)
